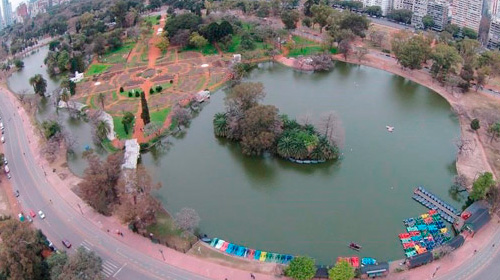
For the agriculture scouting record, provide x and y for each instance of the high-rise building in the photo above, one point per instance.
(2, 25)
(438, 10)
(494, 34)
(467, 13)
(419, 11)
(7, 12)
(385, 5)
(22, 12)
(403, 5)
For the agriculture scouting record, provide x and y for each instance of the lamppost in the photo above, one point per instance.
(161, 251)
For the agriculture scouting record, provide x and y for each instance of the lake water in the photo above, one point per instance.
(316, 210)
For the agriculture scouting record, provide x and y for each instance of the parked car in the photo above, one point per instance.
(16, 193)
(2, 139)
(5, 160)
(66, 243)
(6, 168)
(29, 219)
(21, 217)
(8, 176)
(32, 213)
(41, 214)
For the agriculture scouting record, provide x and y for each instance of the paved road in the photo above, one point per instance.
(63, 221)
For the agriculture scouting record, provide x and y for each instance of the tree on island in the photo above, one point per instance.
(261, 126)
(301, 268)
(145, 110)
(341, 271)
(39, 84)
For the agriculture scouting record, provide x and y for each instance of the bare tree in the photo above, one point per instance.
(377, 37)
(465, 146)
(361, 52)
(181, 116)
(305, 119)
(187, 219)
(51, 147)
(153, 128)
(321, 62)
(331, 127)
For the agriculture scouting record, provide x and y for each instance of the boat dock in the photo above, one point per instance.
(429, 200)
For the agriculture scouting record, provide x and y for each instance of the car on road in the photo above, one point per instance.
(5, 160)
(6, 169)
(16, 193)
(2, 139)
(32, 213)
(41, 214)
(29, 219)
(8, 176)
(66, 243)
(21, 217)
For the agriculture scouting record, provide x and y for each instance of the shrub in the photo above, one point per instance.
(386, 51)
(137, 93)
(475, 124)
(171, 81)
(129, 94)
(151, 91)
(121, 89)
(159, 88)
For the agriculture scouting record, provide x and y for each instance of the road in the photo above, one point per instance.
(120, 261)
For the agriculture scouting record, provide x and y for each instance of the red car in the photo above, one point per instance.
(66, 243)
(32, 213)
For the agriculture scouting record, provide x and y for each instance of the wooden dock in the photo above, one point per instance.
(438, 204)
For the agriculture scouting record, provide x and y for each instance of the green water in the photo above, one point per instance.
(274, 205)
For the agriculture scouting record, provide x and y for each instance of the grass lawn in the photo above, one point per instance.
(206, 50)
(115, 96)
(92, 102)
(144, 54)
(166, 85)
(303, 41)
(120, 132)
(164, 226)
(308, 51)
(235, 44)
(159, 116)
(108, 146)
(117, 56)
(200, 83)
(97, 69)
(152, 19)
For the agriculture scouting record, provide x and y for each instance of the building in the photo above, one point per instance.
(78, 77)
(476, 216)
(419, 259)
(131, 155)
(385, 5)
(438, 10)
(22, 12)
(376, 270)
(419, 11)
(494, 34)
(467, 13)
(403, 5)
(7, 12)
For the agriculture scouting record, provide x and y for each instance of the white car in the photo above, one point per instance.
(41, 214)
(3, 139)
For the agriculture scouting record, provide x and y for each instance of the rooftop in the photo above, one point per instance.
(131, 154)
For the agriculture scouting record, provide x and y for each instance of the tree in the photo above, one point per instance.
(377, 37)
(341, 271)
(245, 96)
(427, 21)
(321, 13)
(307, 7)
(20, 254)
(467, 74)
(63, 60)
(187, 219)
(413, 52)
(184, 21)
(344, 48)
(137, 205)
(361, 52)
(19, 64)
(127, 121)
(481, 186)
(98, 186)
(403, 16)
(358, 24)
(153, 128)
(197, 40)
(290, 18)
(469, 33)
(99, 45)
(444, 58)
(119, 10)
(474, 124)
(301, 268)
(101, 98)
(56, 264)
(221, 128)
(181, 116)
(481, 75)
(163, 44)
(145, 110)
(102, 129)
(260, 128)
(181, 38)
(65, 97)
(494, 130)
(72, 87)
(39, 84)
(453, 29)
(50, 128)
(321, 62)
(374, 11)
(85, 264)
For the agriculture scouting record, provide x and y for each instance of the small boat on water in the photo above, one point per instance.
(389, 128)
(355, 246)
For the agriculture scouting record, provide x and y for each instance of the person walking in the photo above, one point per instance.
(252, 276)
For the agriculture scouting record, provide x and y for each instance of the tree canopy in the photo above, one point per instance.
(187, 21)
(341, 271)
(301, 268)
(39, 84)
(481, 186)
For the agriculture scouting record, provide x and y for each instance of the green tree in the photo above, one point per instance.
(184, 21)
(469, 33)
(19, 64)
(494, 130)
(307, 7)
(481, 186)
(197, 40)
(84, 264)
(121, 89)
(145, 110)
(163, 44)
(444, 58)
(301, 268)
(341, 271)
(56, 263)
(99, 45)
(374, 11)
(474, 124)
(403, 16)
(72, 87)
(50, 128)
(127, 121)
(358, 24)
(65, 97)
(413, 52)
(39, 84)
(63, 60)
(453, 29)
(320, 15)
(102, 130)
(427, 21)
(101, 97)
(220, 125)
(290, 18)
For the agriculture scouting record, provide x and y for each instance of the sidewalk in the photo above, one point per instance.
(132, 240)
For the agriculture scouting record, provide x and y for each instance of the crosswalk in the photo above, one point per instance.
(109, 268)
